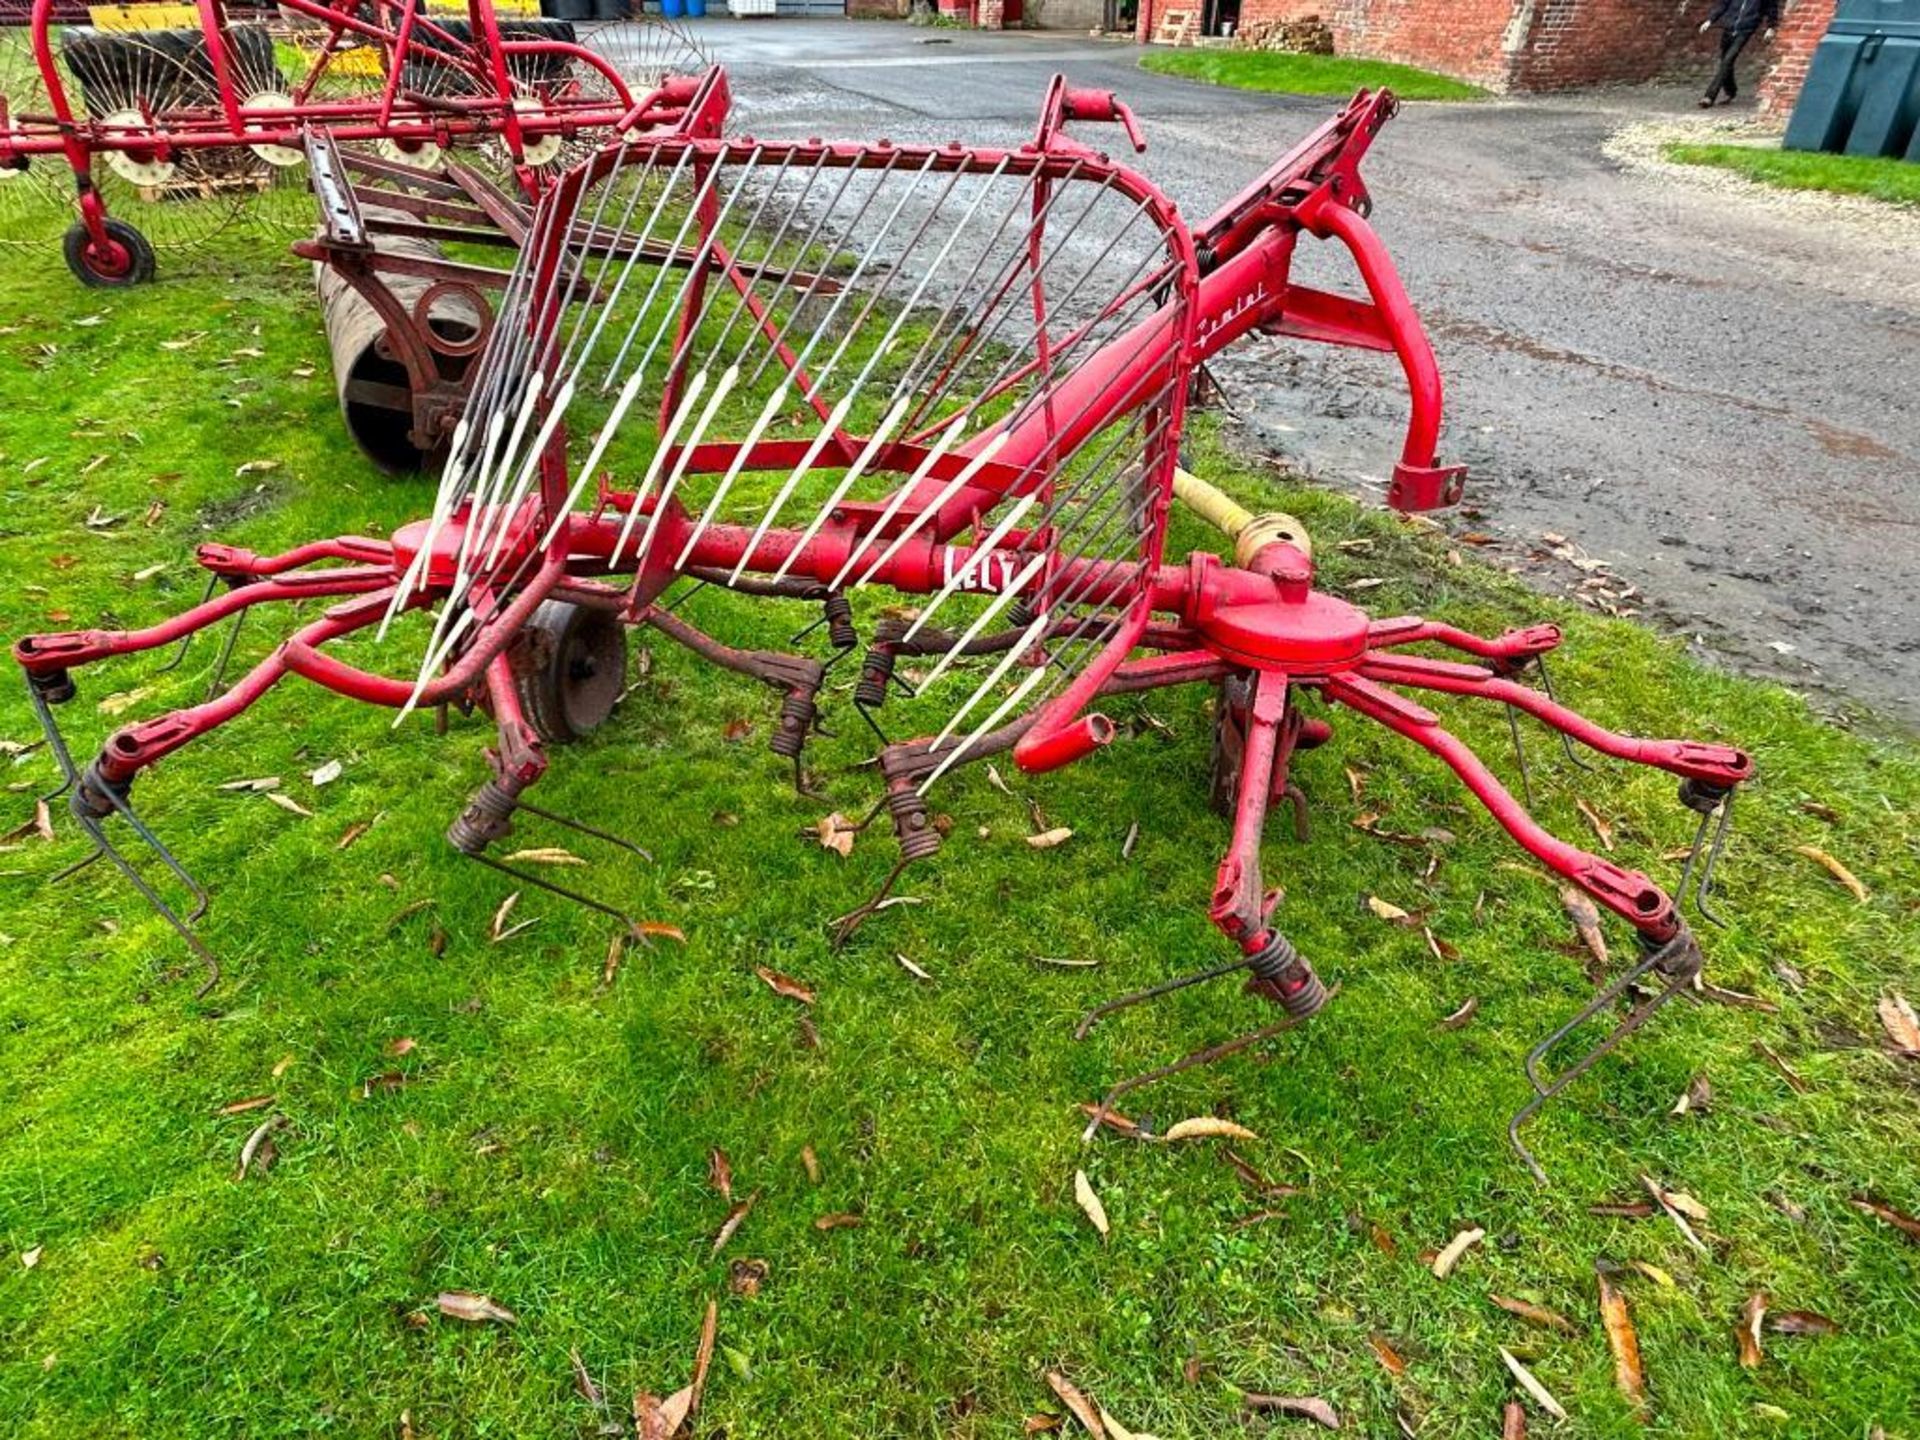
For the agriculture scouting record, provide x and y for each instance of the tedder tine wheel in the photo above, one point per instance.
(570, 666)
(127, 258)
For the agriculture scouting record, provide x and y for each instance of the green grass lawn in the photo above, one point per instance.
(1286, 74)
(1895, 181)
(551, 1148)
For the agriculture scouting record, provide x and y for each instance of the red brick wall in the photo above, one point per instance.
(1540, 44)
(1802, 23)
(1455, 37)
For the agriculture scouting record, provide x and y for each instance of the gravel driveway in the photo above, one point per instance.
(1707, 386)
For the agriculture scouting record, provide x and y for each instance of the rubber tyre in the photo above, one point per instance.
(570, 666)
(139, 267)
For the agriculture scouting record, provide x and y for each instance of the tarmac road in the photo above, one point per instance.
(1708, 388)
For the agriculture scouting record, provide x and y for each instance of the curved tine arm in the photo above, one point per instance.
(490, 639)
(1627, 893)
(132, 749)
(1514, 647)
(62, 650)
(1719, 765)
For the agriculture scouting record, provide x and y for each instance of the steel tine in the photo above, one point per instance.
(1640, 1014)
(526, 877)
(227, 644)
(180, 653)
(1520, 755)
(584, 828)
(1566, 740)
(1186, 1062)
(1705, 888)
(1153, 992)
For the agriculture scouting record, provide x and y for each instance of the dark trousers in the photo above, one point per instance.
(1732, 42)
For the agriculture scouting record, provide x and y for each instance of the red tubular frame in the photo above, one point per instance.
(1262, 623)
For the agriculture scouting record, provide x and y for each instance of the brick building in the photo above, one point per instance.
(1530, 44)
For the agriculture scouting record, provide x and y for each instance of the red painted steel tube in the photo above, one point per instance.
(1628, 893)
(1715, 764)
(42, 654)
(493, 636)
(133, 749)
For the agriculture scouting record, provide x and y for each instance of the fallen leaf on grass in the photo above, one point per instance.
(1078, 1405)
(1040, 1424)
(658, 930)
(720, 1173)
(1089, 1203)
(1654, 1273)
(474, 1309)
(1896, 1017)
(1536, 1314)
(1880, 1210)
(912, 969)
(836, 834)
(1801, 1322)
(735, 1216)
(703, 1355)
(404, 1045)
(811, 1163)
(31, 1258)
(1542, 1396)
(1513, 1421)
(1112, 1120)
(1206, 1127)
(1255, 1181)
(326, 774)
(784, 985)
(546, 855)
(1834, 868)
(610, 967)
(259, 1153)
(1387, 910)
(1787, 1072)
(1664, 1198)
(499, 925)
(289, 804)
(240, 1107)
(1047, 839)
(1628, 1373)
(744, 1277)
(841, 1220)
(657, 1419)
(1307, 1407)
(352, 833)
(1444, 1262)
(1697, 1096)
(391, 1080)
(1602, 828)
(40, 825)
(1748, 1332)
(1388, 1356)
(582, 1381)
(1464, 1014)
(1586, 920)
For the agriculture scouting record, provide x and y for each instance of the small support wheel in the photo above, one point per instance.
(570, 666)
(127, 258)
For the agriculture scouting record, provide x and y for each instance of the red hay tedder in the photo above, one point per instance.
(810, 370)
(190, 123)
